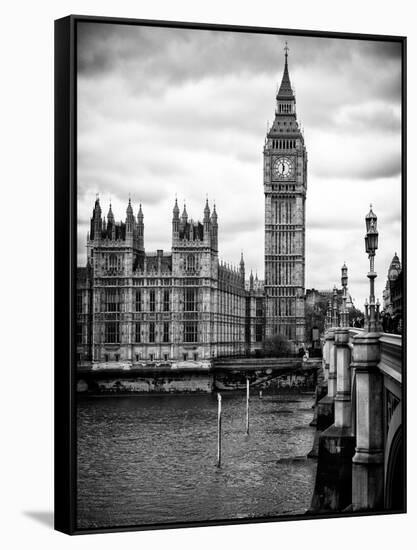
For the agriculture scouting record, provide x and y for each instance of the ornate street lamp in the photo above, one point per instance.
(328, 322)
(371, 245)
(335, 320)
(344, 317)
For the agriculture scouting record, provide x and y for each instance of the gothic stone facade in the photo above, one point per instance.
(135, 306)
(285, 185)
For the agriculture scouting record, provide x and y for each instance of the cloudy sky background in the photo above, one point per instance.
(166, 112)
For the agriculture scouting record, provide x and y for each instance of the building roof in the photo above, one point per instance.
(285, 91)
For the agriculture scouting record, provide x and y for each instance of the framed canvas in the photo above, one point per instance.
(230, 274)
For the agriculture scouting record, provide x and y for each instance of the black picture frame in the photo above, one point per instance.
(66, 253)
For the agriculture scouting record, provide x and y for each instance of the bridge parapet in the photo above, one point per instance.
(364, 442)
(361, 454)
(391, 356)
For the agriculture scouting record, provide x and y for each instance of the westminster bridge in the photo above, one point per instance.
(360, 404)
(360, 441)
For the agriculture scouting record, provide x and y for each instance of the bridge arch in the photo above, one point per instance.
(394, 463)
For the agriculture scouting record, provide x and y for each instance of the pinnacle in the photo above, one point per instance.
(285, 90)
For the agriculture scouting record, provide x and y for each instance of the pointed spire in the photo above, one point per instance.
(242, 265)
(97, 208)
(214, 214)
(207, 211)
(184, 216)
(140, 214)
(110, 216)
(285, 91)
(129, 209)
(176, 210)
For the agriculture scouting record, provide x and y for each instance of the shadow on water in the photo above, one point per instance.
(292, 460)
(45, 518)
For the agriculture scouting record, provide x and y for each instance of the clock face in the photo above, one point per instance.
(282, 168)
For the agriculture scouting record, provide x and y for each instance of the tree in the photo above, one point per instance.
(277, 346)
(355, 315)
(315, 316)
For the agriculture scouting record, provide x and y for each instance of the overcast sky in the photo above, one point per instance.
(165, 112)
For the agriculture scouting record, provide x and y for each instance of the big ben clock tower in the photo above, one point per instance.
(285, 185)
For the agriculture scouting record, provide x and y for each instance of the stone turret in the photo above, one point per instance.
(242, 266)
(251, 280)
(96, 222)
(110, 215)
(175, 222)
(130, 220)
(141, 229)
(206, 222)
(214, 229)
(184, 218)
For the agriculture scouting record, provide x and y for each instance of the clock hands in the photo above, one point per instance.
(282, 168)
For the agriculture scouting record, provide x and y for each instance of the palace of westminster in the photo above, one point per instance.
(185, 305)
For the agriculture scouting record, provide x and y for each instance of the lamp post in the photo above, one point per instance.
(371, 245)
(334, 320)
(328, 321)
(344, 318)
(368, 462)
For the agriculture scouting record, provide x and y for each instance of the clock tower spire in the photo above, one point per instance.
(285, 185)
(285, 96)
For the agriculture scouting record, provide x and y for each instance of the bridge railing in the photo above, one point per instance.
(364, 383)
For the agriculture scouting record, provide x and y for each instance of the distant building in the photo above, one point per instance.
(392, 298)
(314, 297)
(392, 294)
(135, 306)
(255, 313)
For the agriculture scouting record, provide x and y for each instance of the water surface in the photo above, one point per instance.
(152, 459)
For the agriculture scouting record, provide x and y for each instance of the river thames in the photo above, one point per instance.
(152, 458)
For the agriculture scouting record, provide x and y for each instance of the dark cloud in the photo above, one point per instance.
(167, 111)
(153, 58)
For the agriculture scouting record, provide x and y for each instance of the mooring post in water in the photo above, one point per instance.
(219, 430)
(247, 406)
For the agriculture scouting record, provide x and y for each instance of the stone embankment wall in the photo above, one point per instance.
(197, 381)
(157, 383)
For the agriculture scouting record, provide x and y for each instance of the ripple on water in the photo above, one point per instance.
(151, 459)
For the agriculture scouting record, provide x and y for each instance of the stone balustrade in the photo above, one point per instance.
(359, 440)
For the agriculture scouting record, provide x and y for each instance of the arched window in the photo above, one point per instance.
(190, 262)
